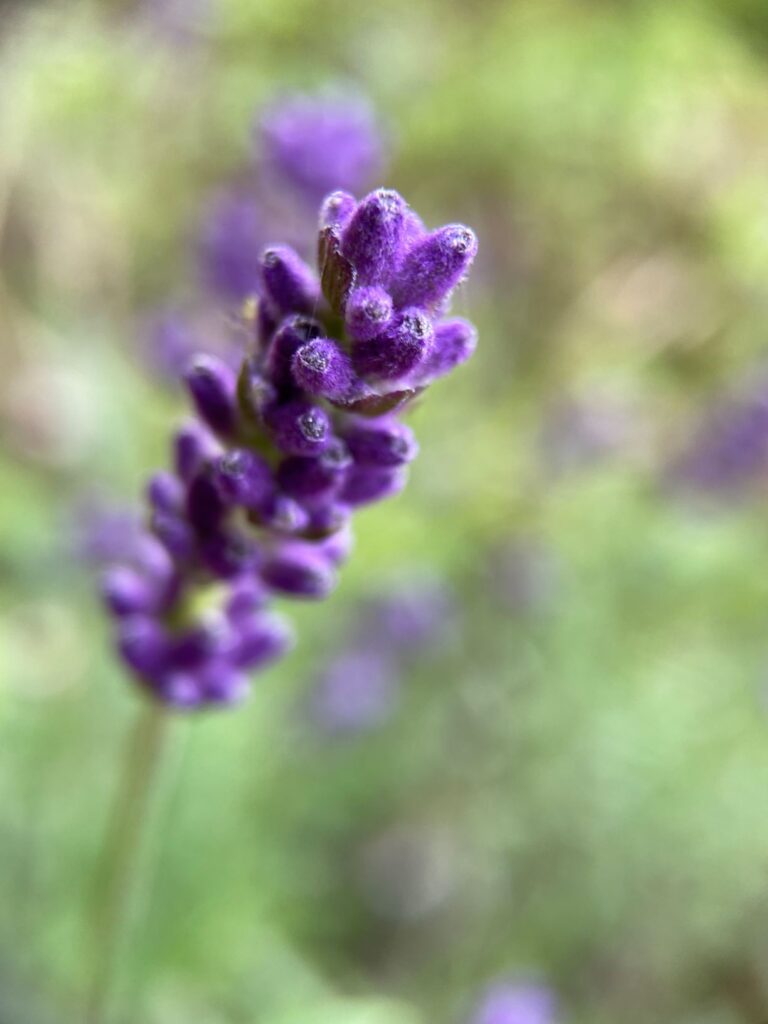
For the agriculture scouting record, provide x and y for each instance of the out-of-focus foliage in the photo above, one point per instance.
(572, 788)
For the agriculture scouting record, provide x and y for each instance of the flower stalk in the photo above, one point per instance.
(123, 870)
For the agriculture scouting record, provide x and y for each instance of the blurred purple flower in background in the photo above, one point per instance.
(728, 452)
(360, 687)
(171, 336)
(231, 238)
(104, 530)
(512, 1002)
(582, 431)
(357, 691)
(316, 144)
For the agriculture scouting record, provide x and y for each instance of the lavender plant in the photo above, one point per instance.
(267, 475)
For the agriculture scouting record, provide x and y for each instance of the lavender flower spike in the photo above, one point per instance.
(267, 476)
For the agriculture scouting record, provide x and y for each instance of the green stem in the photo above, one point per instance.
(123, 856)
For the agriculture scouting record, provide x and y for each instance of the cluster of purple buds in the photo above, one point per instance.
(266, 478)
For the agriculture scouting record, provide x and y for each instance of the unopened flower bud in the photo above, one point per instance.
(289, 284)
(212, 386)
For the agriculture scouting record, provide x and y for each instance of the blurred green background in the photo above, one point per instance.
(574, 787)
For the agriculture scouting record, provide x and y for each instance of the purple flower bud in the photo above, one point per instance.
(298, 427)
(280, 514)
(365, 485)
(165, 492)
(304, 477)
(368, 312)
(455, 341)
(512, 1003)
(231, 238)
(180, 690)
(399, 350)
(290, 285)
(338, 546)
(298, 570)
(143, 645)
(193, 647)
(221, 683)
(336, 210)
(434, 265)
(152, 559)
(244, 478)
(326, 519)
(212, 386)
(206, 506)
(323, 368)
(372, 238)
(290, 337)
(262, 640)
(381, 442)
(175, 533)
(227, 554)
(246, 597)
(193, 445)
(127, 592)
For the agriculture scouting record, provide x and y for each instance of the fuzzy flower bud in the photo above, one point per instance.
(336, 210)
(165, 492)
(211, 384)
(290, 337)
(243, 478)
(366, 484)
(323, 368)
(372, 238)
(381, 443)
(368, 312)
(192, 446)
(128, 592)
(308, 478)
(262, 639)
(298, 427)
(298, 570)
(434, 266)
(398, 351)
(289, 284)
(455, 341)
